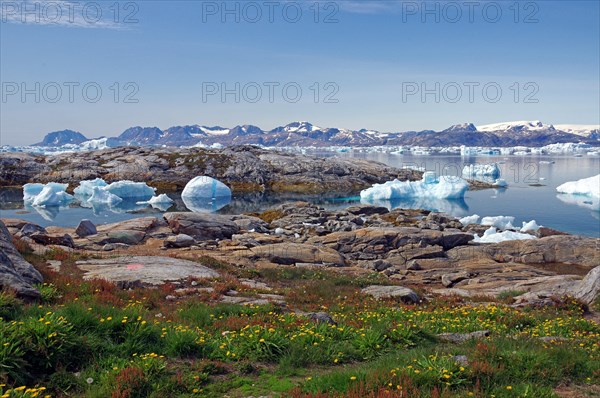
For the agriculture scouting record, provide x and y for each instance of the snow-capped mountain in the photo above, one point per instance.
(304, 134)
(60, 138)
(535, 125)
(584, 130)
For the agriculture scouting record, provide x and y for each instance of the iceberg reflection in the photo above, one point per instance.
(206, 205)
(585, 201)
(455, 207)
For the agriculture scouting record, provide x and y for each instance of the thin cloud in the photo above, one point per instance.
(72, 14)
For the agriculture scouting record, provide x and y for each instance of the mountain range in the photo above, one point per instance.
(305, 134)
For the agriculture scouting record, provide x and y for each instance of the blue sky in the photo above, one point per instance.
(544, 56)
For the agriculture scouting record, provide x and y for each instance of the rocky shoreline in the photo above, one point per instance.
(413, 249)
(243, 168)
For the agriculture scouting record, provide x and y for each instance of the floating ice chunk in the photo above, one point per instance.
(474, 219)
(586, 186)
(446, 187)
(161, 202)
(130, 190)
(489, 170)
(205, 187)
(530, 226)
(102, 196)
(491, 235)
(52, 194)
(500, 183)
(502, 222)
(30, 191)
(162, 199)
(86, 188)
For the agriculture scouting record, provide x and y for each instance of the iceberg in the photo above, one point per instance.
(30, 191)
(446, 187)
(586, 187)
(488, 170)
(160, 199)
(86, 188)
(205, 187)
(491, 235)
(205, 194)
(530, 226)
(474, 219)
(130, 190)
(500, 183)
(102, 196)
(161, 202)
(502, 222)
(51, 194)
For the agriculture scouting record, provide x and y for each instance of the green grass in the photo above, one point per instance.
(90, 339)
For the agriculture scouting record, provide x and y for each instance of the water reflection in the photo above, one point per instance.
(206, 205)
(48, 213)
(587, 202)
(456, 207)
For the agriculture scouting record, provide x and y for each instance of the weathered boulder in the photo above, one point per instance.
(16, 273)
(367, 210)
(382, 292)
(202, 226)
(249, 223)
(371, 243)
(30, 229)
(292, 253)
(179, 241)
(589, 289)
(149, 270)
(449, 280)
(564, 249)
(86, 228)
(53, 239)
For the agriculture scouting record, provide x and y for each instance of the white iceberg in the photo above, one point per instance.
(502, 222)
(161, 202)
(160, 199)
(102, 196)
(52, 194)
(205, 187)
(491, 235)
(446, 187)
(30, 191)
(586, 187)
(86, 188)
(130, 190)
(474, 219)
(488, 170)
(530, 226)
(500, 183)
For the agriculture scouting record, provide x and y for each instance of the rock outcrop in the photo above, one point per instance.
(16, 274)
(242, 168)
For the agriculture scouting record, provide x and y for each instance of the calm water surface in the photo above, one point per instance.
(531, 194)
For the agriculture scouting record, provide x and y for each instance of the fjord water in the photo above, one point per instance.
(531, 194)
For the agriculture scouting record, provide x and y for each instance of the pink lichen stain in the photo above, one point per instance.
(134, 267)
